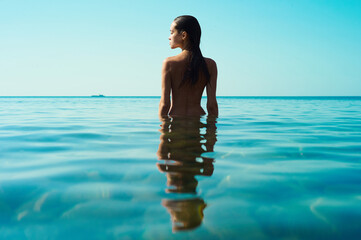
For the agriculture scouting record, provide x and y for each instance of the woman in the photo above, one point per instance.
(187, 74)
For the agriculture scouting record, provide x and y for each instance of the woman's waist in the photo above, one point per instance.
(186, 110)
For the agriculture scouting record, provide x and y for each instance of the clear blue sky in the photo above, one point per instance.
(262, 48)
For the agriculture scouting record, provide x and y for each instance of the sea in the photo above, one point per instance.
(110, 168)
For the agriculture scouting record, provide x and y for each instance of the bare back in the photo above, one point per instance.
(186, 98)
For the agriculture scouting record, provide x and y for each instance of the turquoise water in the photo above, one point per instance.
(109, 168)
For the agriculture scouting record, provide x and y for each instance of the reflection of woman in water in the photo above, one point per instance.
(186, 75)
(181, 147)
(182, 144)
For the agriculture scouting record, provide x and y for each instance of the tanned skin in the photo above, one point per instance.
(186, 98)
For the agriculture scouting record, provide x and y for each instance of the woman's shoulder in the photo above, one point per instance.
(210, 61)
(168, 63)
(174, 61)
(170, 60)
(176, 58)
(211, 64)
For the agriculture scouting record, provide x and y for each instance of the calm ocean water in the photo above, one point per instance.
(109, 168)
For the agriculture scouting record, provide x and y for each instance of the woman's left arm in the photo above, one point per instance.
(164, 104)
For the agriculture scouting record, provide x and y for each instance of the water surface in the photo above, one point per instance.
(109, 168)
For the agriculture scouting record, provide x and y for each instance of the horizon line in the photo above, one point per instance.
(145, 96)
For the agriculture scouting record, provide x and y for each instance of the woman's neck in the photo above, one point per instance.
(186, 51)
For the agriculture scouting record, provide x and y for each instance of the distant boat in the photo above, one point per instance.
(99, 95)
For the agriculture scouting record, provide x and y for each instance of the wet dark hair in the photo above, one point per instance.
(197, 63)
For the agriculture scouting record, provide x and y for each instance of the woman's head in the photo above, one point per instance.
(186, 34)
(188, 28)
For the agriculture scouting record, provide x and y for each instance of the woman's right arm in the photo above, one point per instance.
(212, 105)
(164, 104)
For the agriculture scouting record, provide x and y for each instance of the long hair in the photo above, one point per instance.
(197, 64)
